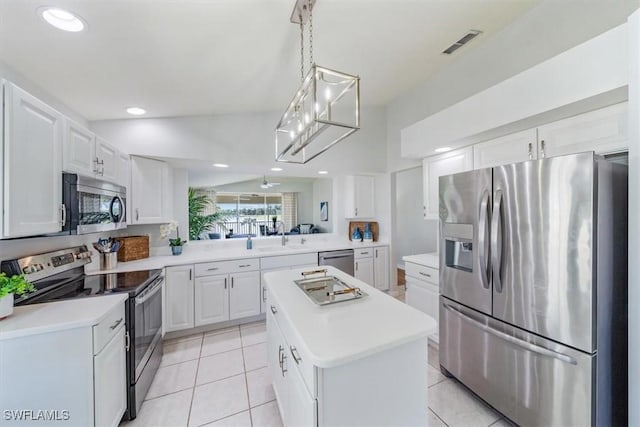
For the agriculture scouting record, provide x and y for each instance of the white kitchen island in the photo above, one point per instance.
(359, 362)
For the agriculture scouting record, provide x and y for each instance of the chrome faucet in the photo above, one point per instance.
(284, 239)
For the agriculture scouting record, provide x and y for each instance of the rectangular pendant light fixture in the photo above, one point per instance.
(324, 110)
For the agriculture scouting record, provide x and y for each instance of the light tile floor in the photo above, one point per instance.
(220, 378)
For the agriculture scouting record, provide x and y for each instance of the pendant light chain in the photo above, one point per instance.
(310, 33)
(301, 49)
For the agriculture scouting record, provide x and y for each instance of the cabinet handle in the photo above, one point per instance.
(244, 265)
(137, 214)
(127, 341)
(225, 283)
(356, 265)
(281, 359)
(232, 282)
(273, 309)
(424, 274)
(212, 269)
(190, 274)
(264, 296)
(63, 215)
(542, 149)
(294, 351)
(356, 211)
(364, 253)
(115, 325)
(530, 151)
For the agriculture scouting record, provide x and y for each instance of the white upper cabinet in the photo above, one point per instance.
(88, 155)
(513, 148)
(79, 154)
(359, 196)
(32, 165)
(436, 166)
(603, 131)
(150, 193)
(107, 160)
(124, 169)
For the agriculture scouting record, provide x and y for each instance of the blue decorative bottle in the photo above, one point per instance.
(368, 235)
(356, 236)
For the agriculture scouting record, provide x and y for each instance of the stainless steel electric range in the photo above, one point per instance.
(60, 275)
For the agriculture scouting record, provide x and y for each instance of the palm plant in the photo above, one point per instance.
(198, 222)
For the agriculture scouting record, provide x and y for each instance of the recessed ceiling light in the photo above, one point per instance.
(276, 169)
(220, 165)
(323, 172)
(442, 149)
(136, 111)
(62, 19)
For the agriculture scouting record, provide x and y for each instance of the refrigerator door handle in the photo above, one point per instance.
(483, 239)
(513, 340)
(496, 241)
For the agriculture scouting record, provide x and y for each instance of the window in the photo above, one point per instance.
(250, 213)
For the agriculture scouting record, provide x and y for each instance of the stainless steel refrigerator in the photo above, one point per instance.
(533, 288)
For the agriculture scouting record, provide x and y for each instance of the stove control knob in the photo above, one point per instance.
(39, 267)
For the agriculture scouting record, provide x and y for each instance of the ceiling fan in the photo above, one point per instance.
(266, 184)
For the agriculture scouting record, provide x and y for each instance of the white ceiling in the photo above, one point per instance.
(201, 57)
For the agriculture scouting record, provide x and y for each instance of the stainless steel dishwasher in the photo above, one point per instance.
(342, 260)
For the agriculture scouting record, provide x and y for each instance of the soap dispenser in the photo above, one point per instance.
(249, 242)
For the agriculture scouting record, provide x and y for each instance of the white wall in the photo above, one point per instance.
(245, 141)
(413, 235)
(546, 30)
(8, 73)
(323, 192)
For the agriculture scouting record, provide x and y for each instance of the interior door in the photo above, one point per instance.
(465, 201)
(542, 247)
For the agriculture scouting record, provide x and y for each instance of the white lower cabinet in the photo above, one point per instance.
(210, 299)
(423, 288)
(212, 292)
(244, 296)
(298, 406)
(77, 375)
(381, 267)
(371, 265)
(109, 367)
(363, 270)
(179, 298)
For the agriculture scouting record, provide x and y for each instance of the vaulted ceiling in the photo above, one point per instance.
(201, 57)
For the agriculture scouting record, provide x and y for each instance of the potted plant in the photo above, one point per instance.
(175, 244)
(199, 222)
(10, 286)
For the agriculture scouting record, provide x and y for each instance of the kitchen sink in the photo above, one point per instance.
(281, 248)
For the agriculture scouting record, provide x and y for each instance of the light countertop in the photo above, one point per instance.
(56, 316)
(206, 251)
(340, 333)
(427, 260)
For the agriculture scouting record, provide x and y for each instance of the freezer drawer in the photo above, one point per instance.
(533, 381)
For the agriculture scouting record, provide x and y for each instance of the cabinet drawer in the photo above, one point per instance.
(285, 261)
(421, 272)
(107, 328)
(223, 267)
(363, 253)
(297, 358)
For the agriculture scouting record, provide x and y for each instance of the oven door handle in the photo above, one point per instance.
(152, 290)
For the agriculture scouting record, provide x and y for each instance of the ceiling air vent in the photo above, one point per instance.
(464, 40)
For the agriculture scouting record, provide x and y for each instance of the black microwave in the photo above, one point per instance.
(92, 205)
